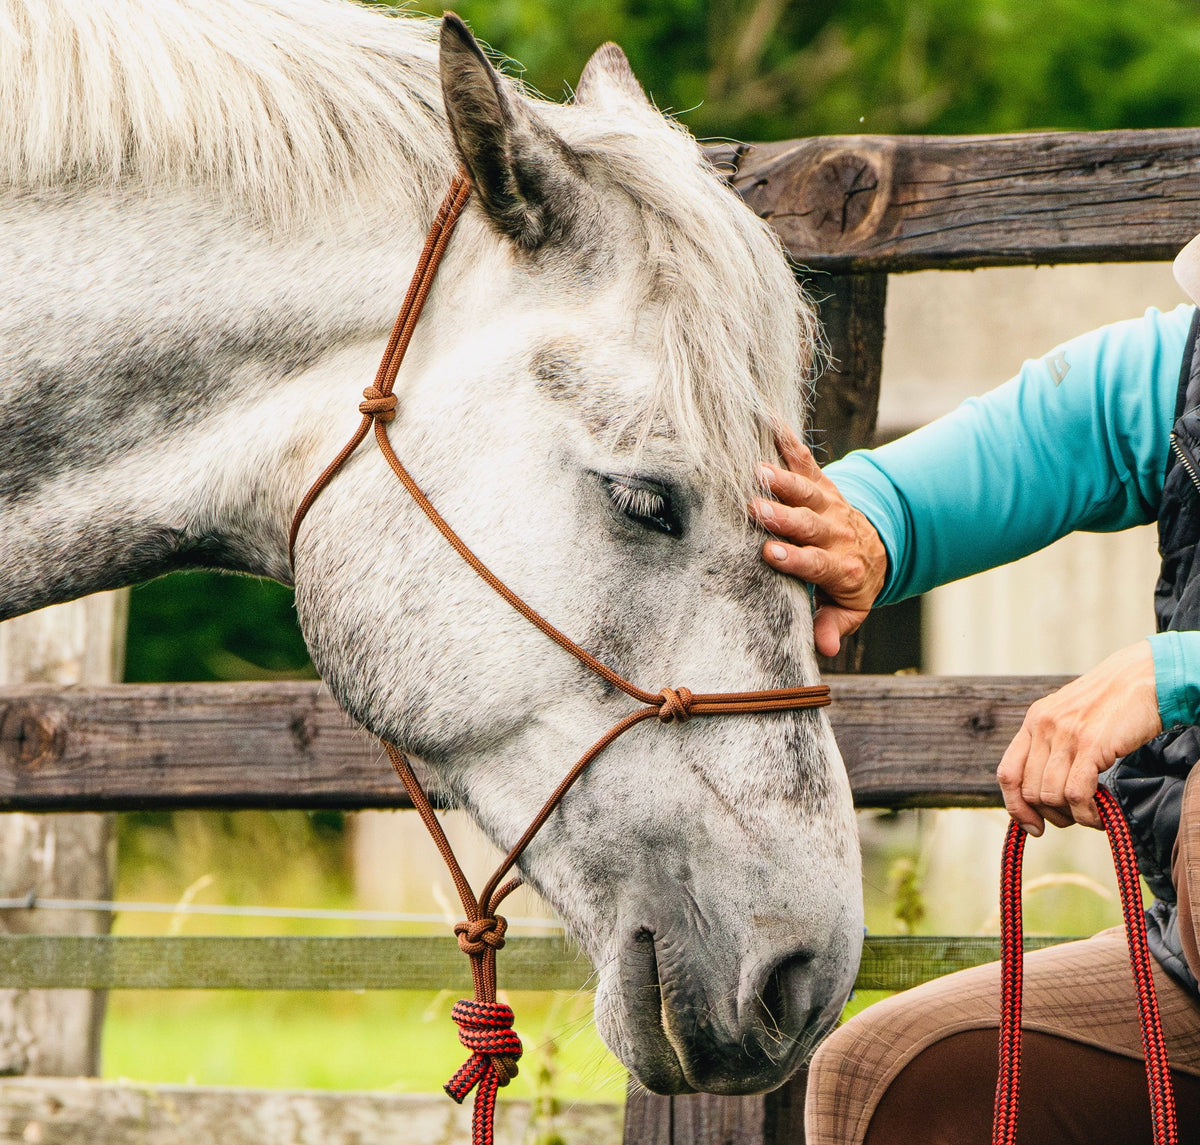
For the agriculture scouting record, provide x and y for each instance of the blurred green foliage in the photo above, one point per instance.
(209, 626)
(769, 69)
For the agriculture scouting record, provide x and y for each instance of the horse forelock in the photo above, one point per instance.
(285, 109)
(737, 340)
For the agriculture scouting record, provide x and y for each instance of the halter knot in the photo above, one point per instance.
(475, 937)
(485, 1028)
(675, 704)
(378, 404)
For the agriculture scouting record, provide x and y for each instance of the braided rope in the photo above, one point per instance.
(485, 1028)
(1158, 1076)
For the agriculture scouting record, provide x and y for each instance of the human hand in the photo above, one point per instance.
(833, 546)
(1051, 769)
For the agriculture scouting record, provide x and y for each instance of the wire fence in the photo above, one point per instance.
(32, 901)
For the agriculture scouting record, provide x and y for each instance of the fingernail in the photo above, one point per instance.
(765, 475)
(764, 511)
(777, 552)
(1030, 829)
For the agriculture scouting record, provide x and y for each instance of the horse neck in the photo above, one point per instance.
(169, 381)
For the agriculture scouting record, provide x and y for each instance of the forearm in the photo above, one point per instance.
(1045, 454)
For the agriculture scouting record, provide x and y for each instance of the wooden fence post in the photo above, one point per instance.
(57, 1032)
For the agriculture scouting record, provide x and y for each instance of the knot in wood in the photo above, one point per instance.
(29, 736)
(377, 404)
(474, 938)
(675, 704)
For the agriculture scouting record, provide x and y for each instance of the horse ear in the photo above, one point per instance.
(608, 81)
(520, 169)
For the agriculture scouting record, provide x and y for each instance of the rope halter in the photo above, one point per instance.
(484, 1024)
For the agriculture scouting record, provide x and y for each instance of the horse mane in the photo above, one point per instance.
(284, 108)
(302, 109)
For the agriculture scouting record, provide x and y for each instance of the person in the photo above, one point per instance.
(1102, 434)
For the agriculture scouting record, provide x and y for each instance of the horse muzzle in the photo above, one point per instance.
(686, 1014)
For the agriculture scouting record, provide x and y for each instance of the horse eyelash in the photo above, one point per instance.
(637, 501)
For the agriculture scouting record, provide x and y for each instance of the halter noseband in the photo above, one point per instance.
(485, 1025)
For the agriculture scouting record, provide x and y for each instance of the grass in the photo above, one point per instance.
(403, 1041)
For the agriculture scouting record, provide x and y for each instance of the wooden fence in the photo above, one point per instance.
(851, 211)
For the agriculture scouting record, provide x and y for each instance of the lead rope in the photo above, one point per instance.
(484, 1024)
(1008, 1084)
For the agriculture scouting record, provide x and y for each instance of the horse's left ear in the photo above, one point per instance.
(521, 170)
(608, 81)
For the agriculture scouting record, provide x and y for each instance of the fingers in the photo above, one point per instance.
(1010, 775)
(814, 565)
(796, 488)
(1080, 791)
(803, 525)
(796, 455)
(831, 623)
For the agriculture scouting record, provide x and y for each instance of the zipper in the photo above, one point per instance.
(1185, 460)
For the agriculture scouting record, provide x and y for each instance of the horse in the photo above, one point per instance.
(208, 212)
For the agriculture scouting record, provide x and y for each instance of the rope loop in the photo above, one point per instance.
(1158, 1075)
(377, 404)
(675, 704)
(474, 938)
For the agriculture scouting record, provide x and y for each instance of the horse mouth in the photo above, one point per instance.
(641, 1039)
(676, 1037)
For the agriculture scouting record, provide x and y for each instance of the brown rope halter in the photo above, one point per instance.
(485, 1025)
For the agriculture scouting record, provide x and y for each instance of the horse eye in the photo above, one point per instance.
(645, 502)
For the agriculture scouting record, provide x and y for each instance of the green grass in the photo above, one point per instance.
(400, 1041)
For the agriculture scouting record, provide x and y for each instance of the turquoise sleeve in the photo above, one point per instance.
(1177, 676)
(1077, 440)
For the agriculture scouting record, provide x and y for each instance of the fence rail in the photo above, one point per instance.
(908, 741)
(105, 962)
(871, 203)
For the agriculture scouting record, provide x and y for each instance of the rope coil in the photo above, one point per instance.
(1158, 1076)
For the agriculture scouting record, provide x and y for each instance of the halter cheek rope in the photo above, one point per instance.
(1008, 1084)
(484, 1024)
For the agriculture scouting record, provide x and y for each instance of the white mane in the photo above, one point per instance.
(284, 107)
(740, 340)
(290, 109)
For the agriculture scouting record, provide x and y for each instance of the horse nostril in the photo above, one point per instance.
(780, 986)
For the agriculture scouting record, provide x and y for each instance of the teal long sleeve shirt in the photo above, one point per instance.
(1077, 440)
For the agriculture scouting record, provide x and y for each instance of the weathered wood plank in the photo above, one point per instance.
(129, 962)
(857, 204)
(907, 741)
(105, 962)
(57, 1034)
(846, 401)
(75, 1112)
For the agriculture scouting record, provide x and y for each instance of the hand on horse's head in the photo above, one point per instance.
(831, 544)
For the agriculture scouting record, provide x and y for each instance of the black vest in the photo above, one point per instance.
(1148, 783)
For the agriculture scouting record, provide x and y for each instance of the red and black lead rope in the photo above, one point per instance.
(1008, 1084)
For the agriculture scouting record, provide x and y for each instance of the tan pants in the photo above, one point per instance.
(920, 1067)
